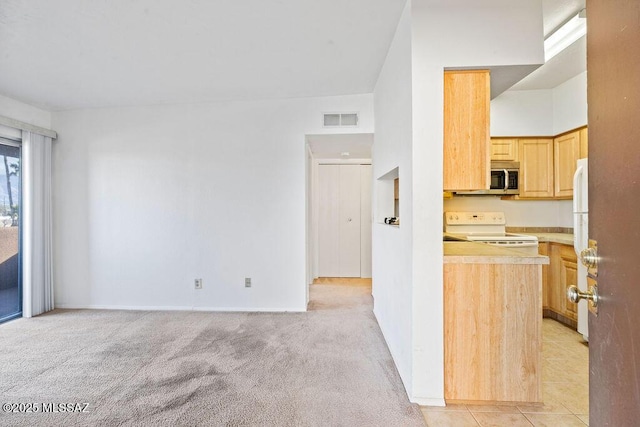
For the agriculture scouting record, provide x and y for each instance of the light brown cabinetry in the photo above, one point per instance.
(547, 165)
(566, 152)
(569, 277)
(492, 329)
(543, 249)
(584, 143)
(536, 167)
(504, 149)
(559, 275)
(466, 130)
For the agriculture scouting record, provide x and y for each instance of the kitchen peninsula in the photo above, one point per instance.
(493, 326)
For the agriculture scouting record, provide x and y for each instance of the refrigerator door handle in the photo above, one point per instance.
(577, 197)
(577, 233)
(577, 217)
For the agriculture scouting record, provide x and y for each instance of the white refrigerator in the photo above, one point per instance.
(581, 236)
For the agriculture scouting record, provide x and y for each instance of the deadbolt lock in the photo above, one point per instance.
(589, 258)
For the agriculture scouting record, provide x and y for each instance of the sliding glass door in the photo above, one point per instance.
(10, 260)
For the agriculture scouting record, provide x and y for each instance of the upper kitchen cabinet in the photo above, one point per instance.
(566, 152)
(466, 130)
(536, 168)
(504, 149)
(584, 143)
(547, 165)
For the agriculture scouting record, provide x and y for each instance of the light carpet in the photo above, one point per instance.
(327, 367)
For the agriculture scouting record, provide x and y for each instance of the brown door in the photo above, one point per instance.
(613, 66)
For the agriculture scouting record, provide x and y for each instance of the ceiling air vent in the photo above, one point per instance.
(340, 119)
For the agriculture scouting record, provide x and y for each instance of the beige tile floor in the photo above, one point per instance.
(565, 379)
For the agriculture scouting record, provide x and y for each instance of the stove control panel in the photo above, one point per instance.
(474, 218)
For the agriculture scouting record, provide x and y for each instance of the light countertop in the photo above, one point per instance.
(564, 238)
(481, 253)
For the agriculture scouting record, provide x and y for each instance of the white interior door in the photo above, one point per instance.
(328, 217)
(344, 249)
(349, 221)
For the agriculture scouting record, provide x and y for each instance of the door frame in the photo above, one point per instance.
(17, 144)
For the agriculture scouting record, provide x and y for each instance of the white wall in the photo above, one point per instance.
(450, 33)
(150, 198)
(545, 112)
(570, 104)
(522, 113)
(408, 260)
(391, 246)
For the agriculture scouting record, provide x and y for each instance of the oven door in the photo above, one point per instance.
(525, 247)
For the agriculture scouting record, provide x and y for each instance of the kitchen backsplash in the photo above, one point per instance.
(518, 213)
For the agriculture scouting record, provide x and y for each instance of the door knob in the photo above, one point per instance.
(575, 295)
(589, 257)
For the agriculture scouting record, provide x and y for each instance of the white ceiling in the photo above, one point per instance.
(331, 146)
(68, 54)
(557, 12)
(568, 63)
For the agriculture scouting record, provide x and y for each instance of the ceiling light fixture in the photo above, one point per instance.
(566, 35)
(345, 153)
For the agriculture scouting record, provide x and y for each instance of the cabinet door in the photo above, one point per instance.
(584, 143)
(566, 151)
(556, 295)
(543, 249)
(536, 167)
(504, 149)
(466, 130)
(569, 277)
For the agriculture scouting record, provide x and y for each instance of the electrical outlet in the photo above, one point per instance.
(198, 283)
(247, 282)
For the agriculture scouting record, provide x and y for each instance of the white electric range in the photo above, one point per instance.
(487, 227)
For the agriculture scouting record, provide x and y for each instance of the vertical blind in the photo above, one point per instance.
(37, 270)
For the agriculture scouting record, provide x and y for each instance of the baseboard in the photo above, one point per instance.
(549, 313)
(176, 308)
(250, 310)
(426, 401)
(123, 307)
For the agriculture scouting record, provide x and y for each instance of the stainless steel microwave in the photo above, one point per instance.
(504, 179)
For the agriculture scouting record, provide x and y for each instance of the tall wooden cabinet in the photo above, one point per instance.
(466, 130)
